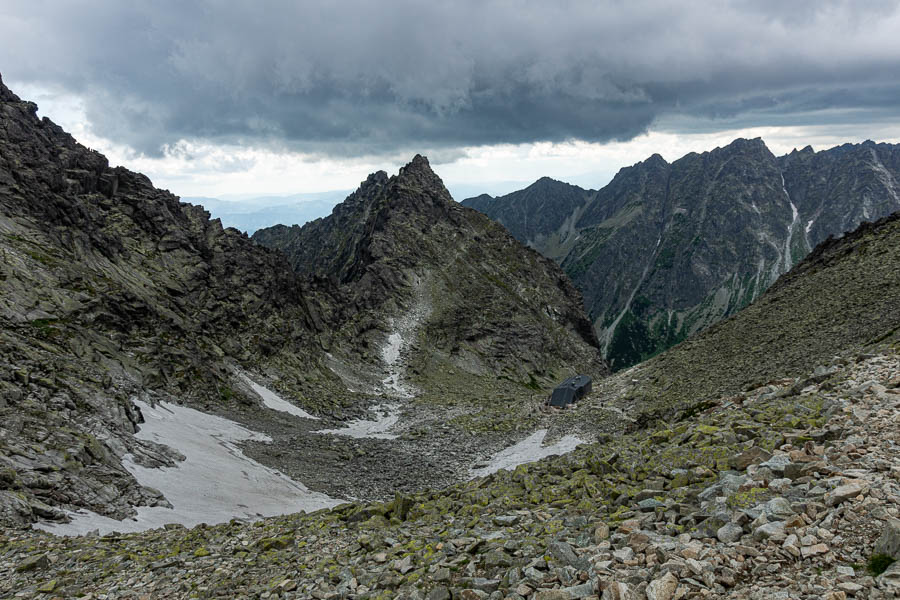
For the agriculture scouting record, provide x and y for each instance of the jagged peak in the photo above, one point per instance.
(747, 144)
(418, 174)
(419, 164)
(545, 182)
(805, 150)
(6, 94)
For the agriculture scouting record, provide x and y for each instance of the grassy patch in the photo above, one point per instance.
(878, 563)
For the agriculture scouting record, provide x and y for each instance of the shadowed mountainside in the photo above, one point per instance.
(666, 250)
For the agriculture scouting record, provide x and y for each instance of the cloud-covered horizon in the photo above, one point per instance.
(374, 78)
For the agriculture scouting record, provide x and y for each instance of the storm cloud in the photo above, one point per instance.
(363, 77)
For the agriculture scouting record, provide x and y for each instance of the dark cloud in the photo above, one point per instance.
(359, 77)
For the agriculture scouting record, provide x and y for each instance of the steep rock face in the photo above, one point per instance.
(666, 250)
(541, 216)
(111, 289)
(466, 295)
(841, 299)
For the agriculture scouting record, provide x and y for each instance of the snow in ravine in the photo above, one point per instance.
(403, 334)
(386, 417)
(215, 483)
(528, 450)
(274, 401)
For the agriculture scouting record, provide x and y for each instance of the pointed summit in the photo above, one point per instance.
(418, 175)
(404, 252)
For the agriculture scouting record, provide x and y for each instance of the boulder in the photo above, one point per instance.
(729, 533)
(846, 492)
(890, 579)
(662, 588)
(616, 591)
(888, 542)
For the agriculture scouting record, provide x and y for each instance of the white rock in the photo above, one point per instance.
(662, 588)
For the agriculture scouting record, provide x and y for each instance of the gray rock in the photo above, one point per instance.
(777, 509)
(485, 585)
(846, 492)
(890, 579)
(623, 554)
(888, 542)
(729, 533)
(616, 591)
(439, 593)
(648, 493)
(33, 563)
(576, 592)
(649, 504)
(773, 531)
(564, 553)
(662, 588)
(777, 463)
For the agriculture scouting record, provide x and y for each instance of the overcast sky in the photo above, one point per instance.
(214, 97)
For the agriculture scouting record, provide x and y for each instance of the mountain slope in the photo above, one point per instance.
(113, 292)
(801, 463)
(840, 300)
(111, 289)
(541, 216)
(461, 292)
(665, 250)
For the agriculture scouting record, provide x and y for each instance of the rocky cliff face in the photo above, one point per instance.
(542, 216)
(111, 289)
(665, 250)
(454, 289)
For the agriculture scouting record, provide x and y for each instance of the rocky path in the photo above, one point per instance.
(788, 491)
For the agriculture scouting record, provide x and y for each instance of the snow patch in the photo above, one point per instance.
(215, 483)
(391, 352)
(809, 225)
(403, 333)
(274, 401)
(530, 449)
(387, 416)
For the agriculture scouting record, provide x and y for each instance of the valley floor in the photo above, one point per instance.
(785, 491)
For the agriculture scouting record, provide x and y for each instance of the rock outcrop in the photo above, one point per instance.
(112, 289)
(463, 294)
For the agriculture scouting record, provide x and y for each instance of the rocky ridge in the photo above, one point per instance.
(666, 250)
(450, 284)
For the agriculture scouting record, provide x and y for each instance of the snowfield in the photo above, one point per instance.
(274, 401)
(215, 483)
(387, 416)
(528, 450)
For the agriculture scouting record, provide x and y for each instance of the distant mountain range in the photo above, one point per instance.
(665, 250)
(251, 213)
